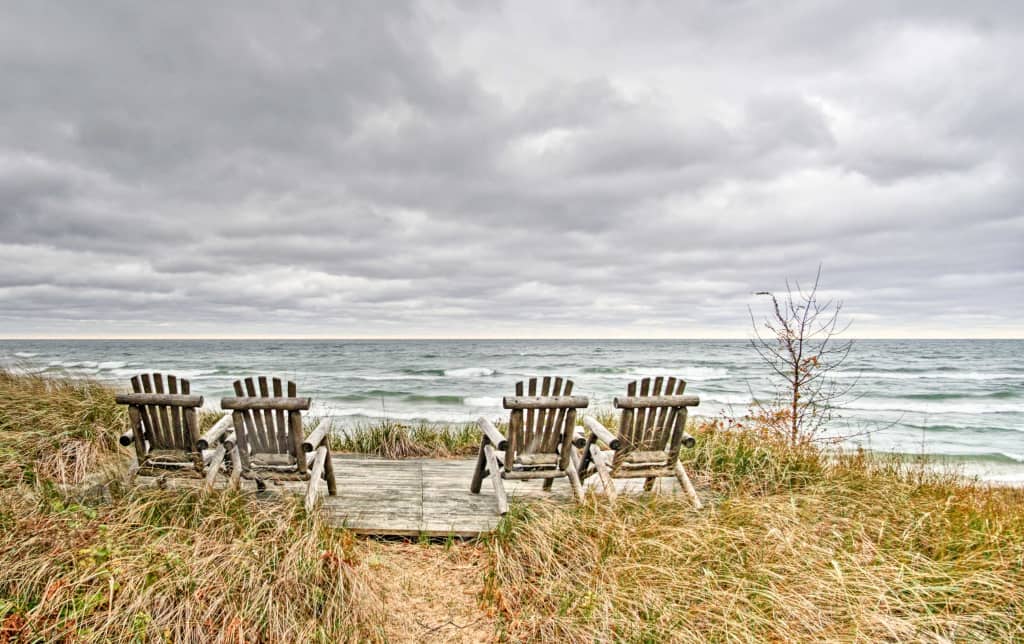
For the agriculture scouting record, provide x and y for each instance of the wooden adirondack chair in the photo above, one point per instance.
(267, 416)
(652, 430)
(540, 439)
(165, 430)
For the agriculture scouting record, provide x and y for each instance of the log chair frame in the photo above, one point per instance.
(163, 424)
(270, 442)
(652, 431)
(541, 439)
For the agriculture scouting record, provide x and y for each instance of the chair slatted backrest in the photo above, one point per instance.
(541, 431)
(269, 428)
(165, 427)
(649, 429)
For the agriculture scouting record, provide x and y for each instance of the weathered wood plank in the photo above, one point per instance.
(249, 402)
(646, 402)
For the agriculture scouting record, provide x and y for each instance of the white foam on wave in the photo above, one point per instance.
(24, 354)
(425, 415)
(936, 407)
(928, 375)
(686, 373)
(482, 401)
(469, 372)
(73, 364)
(109, 366)
(394, 376)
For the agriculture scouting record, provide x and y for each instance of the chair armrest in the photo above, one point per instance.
(215, 434)
(316, 436)
(127, 438)
(599, 431)
(579, 439)
(492, 434)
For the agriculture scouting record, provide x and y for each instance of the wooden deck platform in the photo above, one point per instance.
(419, 497)
(428, 497)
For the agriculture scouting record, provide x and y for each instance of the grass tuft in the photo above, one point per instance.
(55, 429)
(798, 547)
(390, 439)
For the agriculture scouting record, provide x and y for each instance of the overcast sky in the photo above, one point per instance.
(519, 169)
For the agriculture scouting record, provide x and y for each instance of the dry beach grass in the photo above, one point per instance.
(793, 546)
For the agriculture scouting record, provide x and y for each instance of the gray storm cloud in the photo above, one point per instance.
(520, 169)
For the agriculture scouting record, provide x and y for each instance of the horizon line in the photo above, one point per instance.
(454, 338)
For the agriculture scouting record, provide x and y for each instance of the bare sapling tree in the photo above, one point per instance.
(799, 341)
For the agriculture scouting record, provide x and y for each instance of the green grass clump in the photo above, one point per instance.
(850, 548)
(390, 439)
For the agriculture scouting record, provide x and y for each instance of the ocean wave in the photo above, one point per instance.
(25, 354)
(482, 401)
(74, 364)
(439, 399)
(686, 373)
(469, 372)
(998, 395)
(926, 375)
(392, 376)
(429, 415)
(935, 407)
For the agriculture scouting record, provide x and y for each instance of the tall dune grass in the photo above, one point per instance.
(796, 547)
(55, 428)
(390, 439)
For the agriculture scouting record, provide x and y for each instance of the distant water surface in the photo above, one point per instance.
(959, 398)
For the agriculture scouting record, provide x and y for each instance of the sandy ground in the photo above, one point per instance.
(432, 592)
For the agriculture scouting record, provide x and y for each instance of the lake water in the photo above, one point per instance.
(960, 398)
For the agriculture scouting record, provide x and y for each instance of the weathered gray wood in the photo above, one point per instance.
(574, 477)
(480, 470)
(646, 402)
(275, 403)
(215, 434)
(642, 472)
(499, 486)
(544, 402)
(603, 471)
(684, 480)
(600, 431)
(214, 465)
(295, 423)
(135, 419)
(492, 434)
(173, 400)
(532, 475)
(317, 435)
(315, 474)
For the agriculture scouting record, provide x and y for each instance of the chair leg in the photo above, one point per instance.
(547, 484)
(604, 472)
(236, 468)
(499, 485)
(480, 473)
(574, 480)
(684, 480)
(332, 483)
(315, 474)
(214, 467)
(649, 483)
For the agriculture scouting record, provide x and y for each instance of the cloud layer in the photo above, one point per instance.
(508, 170)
